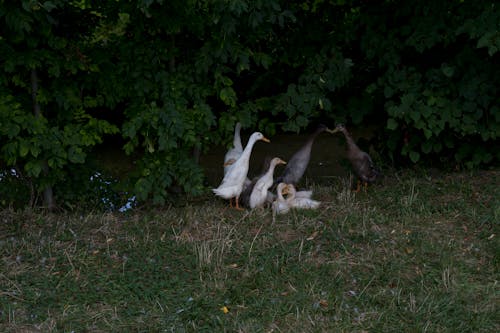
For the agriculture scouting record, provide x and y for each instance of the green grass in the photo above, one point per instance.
(416, 253)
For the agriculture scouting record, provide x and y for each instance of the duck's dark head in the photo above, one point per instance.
(322, 128)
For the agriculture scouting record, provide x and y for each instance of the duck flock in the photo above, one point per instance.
(258, 192)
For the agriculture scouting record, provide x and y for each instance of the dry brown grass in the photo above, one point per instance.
(414, 252)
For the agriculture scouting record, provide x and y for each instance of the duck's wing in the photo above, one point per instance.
(305, 203)
(304, 194)
(365, 168)
(247, 192)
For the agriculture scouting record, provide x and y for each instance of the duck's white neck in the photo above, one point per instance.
(280, 193)
(237, 137)
(249, 146)
(272, 166)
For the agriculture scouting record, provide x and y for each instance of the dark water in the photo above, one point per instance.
(327, 156)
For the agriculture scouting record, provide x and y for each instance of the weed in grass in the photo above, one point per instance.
(408, 201)
(346, 198)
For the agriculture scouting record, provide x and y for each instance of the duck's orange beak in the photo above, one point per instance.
(265, 139)
(332, 131)
(284, 191)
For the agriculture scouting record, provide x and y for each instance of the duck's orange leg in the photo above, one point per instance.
(358, 186)
(237, 204)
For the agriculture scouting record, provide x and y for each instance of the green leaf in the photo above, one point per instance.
(263, 59)
(76, 155)
(49, 5)
(414, 156)
(24, 148)
(33, 168)
(35, 150)
(491, 40)
(426, 147)
(437, 147)
(228, 96)
(447, 70)
(392, 124)
(12, 130)
(415, 115)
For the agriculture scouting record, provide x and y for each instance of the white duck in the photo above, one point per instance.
(233, 181)
(301, 201)
(259, 193)
(280, 205)
(235, 152)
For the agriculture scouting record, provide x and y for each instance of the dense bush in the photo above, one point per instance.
(172, 77)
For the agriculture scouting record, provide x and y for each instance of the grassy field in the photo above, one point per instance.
(416, 253)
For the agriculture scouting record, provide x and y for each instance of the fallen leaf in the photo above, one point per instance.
(314, 234)
(323, 303)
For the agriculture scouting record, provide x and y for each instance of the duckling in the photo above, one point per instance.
(280, 205)
(300, 201)
(233, 181)
(298, 163)
(361, 162)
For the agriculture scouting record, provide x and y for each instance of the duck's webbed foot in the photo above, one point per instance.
(237, 206)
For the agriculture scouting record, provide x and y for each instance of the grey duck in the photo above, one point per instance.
(361, 162)
(299, 161)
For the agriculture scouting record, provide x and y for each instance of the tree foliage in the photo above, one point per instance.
(441, 92)
(42, 46)
(171, 78)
